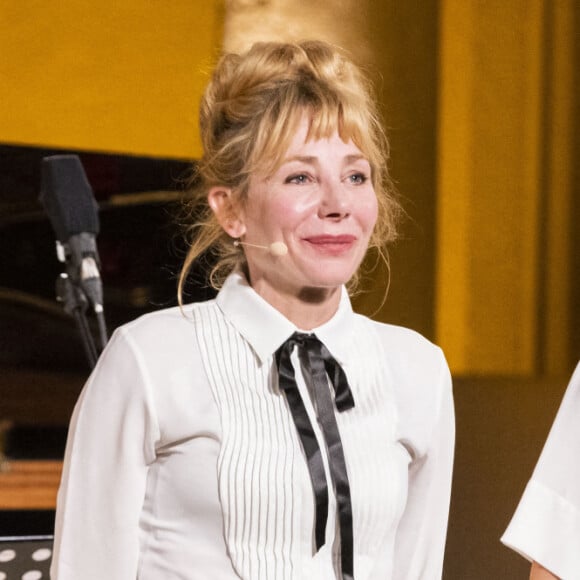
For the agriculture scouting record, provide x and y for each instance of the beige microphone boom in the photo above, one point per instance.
(276, 248)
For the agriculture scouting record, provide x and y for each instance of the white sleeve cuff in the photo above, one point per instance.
(546, 528)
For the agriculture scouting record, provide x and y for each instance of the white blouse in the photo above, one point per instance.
(183, 461)
(546, 524)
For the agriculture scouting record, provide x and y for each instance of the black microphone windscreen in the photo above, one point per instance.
(68, 197)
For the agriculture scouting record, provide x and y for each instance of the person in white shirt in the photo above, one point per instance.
(270, 433)
(545, 528)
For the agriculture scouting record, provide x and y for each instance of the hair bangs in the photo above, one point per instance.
(325, 120)
(273, 135)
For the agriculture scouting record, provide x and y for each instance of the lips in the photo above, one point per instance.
(331, 244)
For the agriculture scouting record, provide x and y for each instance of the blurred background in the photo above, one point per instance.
(481, 104)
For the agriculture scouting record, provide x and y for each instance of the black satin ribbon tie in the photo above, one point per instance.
(321, 366)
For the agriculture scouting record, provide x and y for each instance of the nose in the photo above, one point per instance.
(334, 202)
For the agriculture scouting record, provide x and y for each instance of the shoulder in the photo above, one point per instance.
(156, 360)
(163, 327)
(157, 341)
(421, 381)
(407, 351)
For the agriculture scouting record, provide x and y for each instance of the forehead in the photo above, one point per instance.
(295, 133)
(303, 144)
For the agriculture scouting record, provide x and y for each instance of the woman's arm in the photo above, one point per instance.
(422, 531)
(546, 524)
(540, 573)
(111, 442)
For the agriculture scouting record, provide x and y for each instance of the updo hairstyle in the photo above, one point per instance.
(249, 113)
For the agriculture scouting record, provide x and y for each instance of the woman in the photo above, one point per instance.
(270, 433)
(546, 526)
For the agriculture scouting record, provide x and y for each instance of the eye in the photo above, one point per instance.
(358, 178)
(298, 178)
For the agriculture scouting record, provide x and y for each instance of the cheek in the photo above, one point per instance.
(368, 212)
(287, 212)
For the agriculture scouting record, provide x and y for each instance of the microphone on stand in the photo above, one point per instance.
(71, 207)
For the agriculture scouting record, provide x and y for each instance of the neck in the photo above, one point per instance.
(307, 309)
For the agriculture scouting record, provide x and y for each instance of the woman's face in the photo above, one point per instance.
(321, 204)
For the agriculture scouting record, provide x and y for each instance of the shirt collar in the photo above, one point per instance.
(266, 329)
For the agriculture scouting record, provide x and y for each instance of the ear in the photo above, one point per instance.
(229, 216)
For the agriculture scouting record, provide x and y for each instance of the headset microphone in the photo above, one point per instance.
(276, 248)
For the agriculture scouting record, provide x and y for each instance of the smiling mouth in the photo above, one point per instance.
(331, 244)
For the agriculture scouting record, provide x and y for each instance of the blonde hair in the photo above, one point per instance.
(249, 113)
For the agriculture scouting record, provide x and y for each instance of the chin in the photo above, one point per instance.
(324, 275)
(329, 281)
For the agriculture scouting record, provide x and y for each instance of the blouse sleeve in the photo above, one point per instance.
(110, 444)
(546, 524)
(422, 531)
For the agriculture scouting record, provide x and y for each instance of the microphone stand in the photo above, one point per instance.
(75, 303)
(100, 314)
(80, 288)
(68, 199)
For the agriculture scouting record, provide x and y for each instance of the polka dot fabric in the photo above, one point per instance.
(25, 558)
